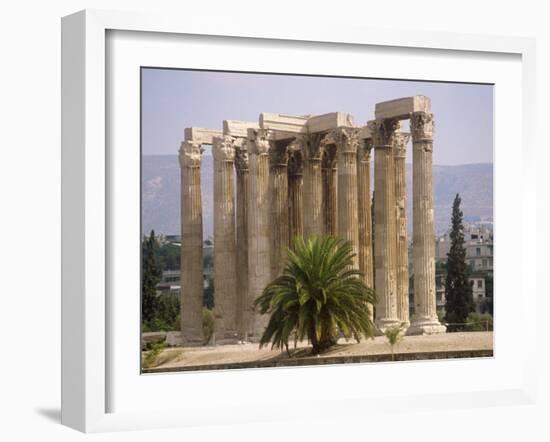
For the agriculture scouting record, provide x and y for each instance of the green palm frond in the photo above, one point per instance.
(318, 296)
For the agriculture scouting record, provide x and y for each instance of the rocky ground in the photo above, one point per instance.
(249, 353)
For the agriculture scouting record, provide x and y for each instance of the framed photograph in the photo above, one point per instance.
(249, 211)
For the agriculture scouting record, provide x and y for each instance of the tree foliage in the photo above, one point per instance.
(150, 277)
(479, 322)
(458, 291)
(318, 296)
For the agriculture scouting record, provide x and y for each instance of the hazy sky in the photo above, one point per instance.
(175, 99)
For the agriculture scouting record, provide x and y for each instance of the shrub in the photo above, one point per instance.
(151, 356)
(394, 335)
(208, 325)
(479, 322)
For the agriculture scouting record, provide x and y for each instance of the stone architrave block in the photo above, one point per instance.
(327, 122)
(288, 124)
(364, 133)
(238, 129)
(402, 107)
(201, 135)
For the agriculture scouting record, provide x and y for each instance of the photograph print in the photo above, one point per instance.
(295, 220)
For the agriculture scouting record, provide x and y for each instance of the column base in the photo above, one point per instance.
(426, 326)
(384, 323)
(192, 341)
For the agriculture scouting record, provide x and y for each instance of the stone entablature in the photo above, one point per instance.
(286, 176)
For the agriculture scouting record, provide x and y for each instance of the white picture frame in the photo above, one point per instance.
(86, 210)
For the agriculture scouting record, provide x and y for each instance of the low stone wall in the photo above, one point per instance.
(171, 338)
(330, 360)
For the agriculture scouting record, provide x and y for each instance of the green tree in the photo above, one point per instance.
(167, 310)
(150, 277)
(489, 295)
(318, 296)
(479, 322)
(168, 256)
(459, 302)
(208, 294)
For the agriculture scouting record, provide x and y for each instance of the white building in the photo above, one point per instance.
(478, 241)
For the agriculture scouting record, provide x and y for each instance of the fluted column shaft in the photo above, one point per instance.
(402, 238)
(425, 319)
(241, 168)
(259, 270)
(364, 212)
(313, 187)
(330, 197)
(225, 278)
(191, 243)
(278, 192)
(348, 222)
(383, 132)
(295, 196)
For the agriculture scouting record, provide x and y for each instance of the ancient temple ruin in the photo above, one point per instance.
(286, 176)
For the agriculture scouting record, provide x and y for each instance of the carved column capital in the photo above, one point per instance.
(295, 164)
(346, 139)
(190, 154)
(259, 141)
(241, 155)
(296, 152)
(364, 150)
(383, 132)
(278, 155)
(223, 148)
(400, 144)
(312, 146)
(422, 126)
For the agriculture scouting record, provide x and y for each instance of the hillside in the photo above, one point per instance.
(161, 181)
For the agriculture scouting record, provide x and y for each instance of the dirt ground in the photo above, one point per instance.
(250, 352)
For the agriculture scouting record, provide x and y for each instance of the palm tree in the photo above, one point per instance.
(318, 295)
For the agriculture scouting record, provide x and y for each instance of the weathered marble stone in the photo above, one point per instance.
(424, 320)
(348, 222)
(259, 268)
(288, 176)
(225, 254)
(242, 173)
(190, 155)
(327, 122)
(237, 128)
(201, 135)
(402, 252)
(283, 126)
(364, 209)
(383, 134)
(401, 108)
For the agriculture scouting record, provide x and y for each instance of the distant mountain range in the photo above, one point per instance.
(161, 193)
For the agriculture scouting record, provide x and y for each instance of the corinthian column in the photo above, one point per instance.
(399, 155)
(259, 271)
(364, 212)
(424, 320)
(330, 198)
(383, 133)
(278, 192)
(225, 280)
(191, 243)
(241, 168)
(295, 190)
(313, 187)
(347, 143)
